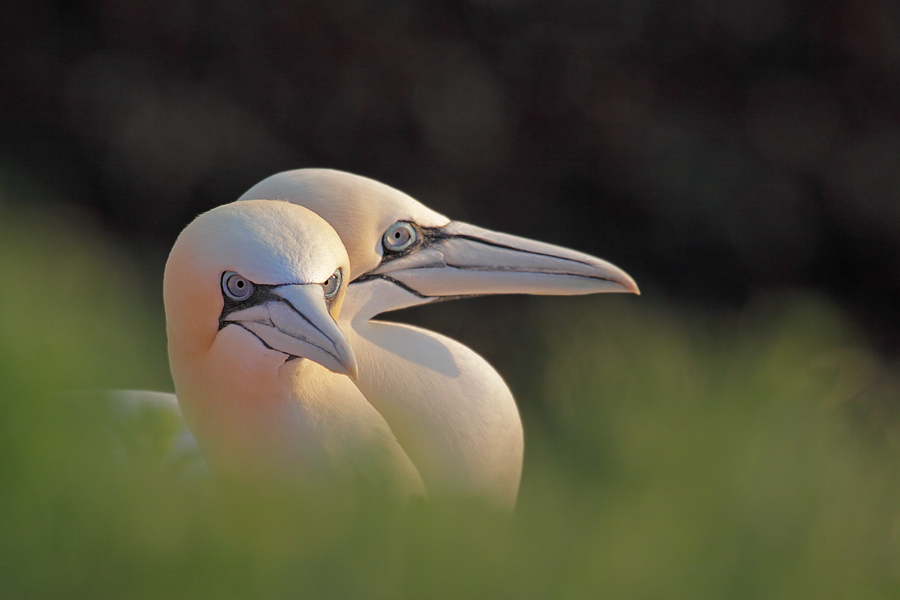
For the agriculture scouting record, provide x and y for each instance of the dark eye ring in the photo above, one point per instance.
(333, 284)
(236, 287)
(399, 236)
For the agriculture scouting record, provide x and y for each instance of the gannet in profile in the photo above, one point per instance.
(261, 369)
(450, 410)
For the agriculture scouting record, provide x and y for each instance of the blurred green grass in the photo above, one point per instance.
(670, 454)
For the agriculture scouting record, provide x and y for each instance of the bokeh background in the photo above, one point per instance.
(731, 433)
(714, 149)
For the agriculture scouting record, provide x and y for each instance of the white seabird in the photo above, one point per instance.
(451, 411)
(262, 371)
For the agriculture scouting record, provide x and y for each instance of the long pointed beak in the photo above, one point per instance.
(296, 321)
(461, 259)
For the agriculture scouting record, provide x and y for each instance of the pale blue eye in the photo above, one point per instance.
(399, 236)
(236, 287)
(333, 285)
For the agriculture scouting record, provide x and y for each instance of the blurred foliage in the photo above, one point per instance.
(670, 454)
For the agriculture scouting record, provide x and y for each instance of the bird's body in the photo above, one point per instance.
(250, 373)
(422, 383)
(433, 407)
(451, 411)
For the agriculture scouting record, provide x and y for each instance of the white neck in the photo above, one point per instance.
(451, 411)
(252, 412)
(370, 298)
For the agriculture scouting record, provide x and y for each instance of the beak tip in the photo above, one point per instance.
(352, 371)
(348, 361)
(626, 283)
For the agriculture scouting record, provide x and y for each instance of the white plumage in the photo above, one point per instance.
(260, 367)
(451, 412)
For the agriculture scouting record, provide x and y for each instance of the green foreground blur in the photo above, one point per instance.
(668, 455)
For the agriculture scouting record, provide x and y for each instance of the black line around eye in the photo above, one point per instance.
(261, 294)
(424, 237)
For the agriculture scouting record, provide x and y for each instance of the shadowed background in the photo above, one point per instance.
(713, 149)
(733, 432)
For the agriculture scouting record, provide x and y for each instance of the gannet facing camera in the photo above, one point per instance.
(261, 369)
(450, 410)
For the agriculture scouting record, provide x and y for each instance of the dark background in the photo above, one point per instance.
(716, 150)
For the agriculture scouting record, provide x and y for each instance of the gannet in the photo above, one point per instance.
(450, 410)
(262, 371)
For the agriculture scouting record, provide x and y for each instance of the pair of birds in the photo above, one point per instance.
(278, 365)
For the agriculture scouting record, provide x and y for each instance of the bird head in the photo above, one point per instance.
(415, 255)
(252, 287)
